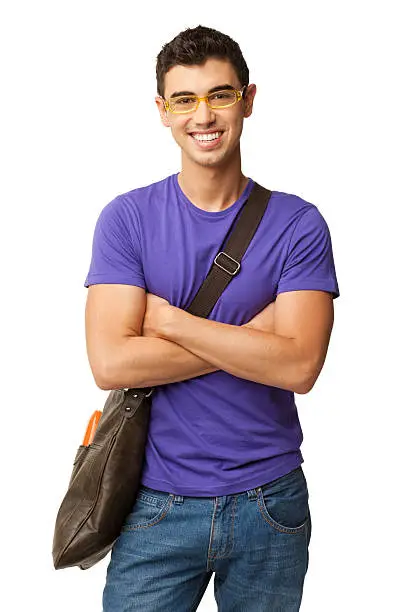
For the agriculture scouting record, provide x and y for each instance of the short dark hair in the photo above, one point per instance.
(195, 46)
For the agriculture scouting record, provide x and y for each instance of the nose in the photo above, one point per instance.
(204, 114)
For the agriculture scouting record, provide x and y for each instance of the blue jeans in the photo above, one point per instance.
(255, 541)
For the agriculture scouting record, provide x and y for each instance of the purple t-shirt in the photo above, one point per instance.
(215, 434)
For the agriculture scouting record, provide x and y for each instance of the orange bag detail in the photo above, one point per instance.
(91, 427)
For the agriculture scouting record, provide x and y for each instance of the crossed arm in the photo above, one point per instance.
(283, 346)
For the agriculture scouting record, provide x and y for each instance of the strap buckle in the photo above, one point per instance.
(231, 272)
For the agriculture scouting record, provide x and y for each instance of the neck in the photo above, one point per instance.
(212, 188)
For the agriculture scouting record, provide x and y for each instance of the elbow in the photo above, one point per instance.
(110, 376)
(101, 378)
(108, 379)
(104, 384)
(103, 375)
(303, 388)
(308, 375)
(111, 369)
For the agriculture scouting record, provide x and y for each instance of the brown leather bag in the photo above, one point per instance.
(106, 474)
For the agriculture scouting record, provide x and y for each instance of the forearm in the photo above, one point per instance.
(145, 362)
(248, 353)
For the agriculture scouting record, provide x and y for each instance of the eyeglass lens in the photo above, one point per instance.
(218, 99)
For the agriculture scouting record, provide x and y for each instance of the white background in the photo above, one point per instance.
(79, 126)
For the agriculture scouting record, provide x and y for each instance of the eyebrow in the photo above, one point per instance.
(212, 90)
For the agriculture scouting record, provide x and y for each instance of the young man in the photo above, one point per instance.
(223, 490)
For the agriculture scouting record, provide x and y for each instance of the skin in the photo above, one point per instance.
(213, 180)
(218, 172)
(139, 339)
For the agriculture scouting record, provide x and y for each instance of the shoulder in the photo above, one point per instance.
(139, 197)
(129, 207)
(290, 204)
(294, 212)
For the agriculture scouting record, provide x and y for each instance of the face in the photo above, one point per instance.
(199, 79)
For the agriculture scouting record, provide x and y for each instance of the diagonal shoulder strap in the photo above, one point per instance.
(228, 262)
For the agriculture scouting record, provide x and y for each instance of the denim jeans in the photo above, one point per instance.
(255, 542)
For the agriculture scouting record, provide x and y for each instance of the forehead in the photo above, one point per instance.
(200, 78)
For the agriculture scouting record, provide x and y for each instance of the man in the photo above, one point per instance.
(223, 490)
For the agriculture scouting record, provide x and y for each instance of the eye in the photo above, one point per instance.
(184, 100)
(222, 95)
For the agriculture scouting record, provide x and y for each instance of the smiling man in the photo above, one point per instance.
(223, 491)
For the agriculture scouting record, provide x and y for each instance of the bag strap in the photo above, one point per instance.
(227, 264)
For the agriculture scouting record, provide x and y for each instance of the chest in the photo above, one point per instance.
(178, 252)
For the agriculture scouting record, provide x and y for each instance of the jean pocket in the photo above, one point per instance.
(150, 508)
(284, 502)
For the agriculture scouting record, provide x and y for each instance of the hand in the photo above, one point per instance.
(264, 320)
(158, 311)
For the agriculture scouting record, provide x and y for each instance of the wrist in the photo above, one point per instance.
(171, 326)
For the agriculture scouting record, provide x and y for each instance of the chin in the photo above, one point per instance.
(208, 158)
(207, 161)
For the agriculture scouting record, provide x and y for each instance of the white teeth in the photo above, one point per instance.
(212, 136)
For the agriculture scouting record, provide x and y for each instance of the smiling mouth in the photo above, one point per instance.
(206, 141)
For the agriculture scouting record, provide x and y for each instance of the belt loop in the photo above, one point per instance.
(253, 494)
(178, 499)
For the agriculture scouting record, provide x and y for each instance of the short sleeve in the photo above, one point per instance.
(310, 262)
(115, 248)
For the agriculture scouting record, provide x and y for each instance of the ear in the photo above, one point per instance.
(249, 99)
(162, 111)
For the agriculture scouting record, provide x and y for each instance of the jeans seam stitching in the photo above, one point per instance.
(289, 530)
(154, 522)
(227, 553)
(209, 558)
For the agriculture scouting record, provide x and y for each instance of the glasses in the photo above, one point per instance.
(215, 100)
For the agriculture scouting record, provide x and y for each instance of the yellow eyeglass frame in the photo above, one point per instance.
(238, 92)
